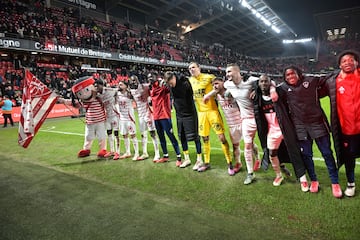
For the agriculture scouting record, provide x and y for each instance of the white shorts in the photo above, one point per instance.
(248, 129)
(96, 130)
(235, 132)
(146, 124)
(112, 123)
(274, 138)
(127, 127)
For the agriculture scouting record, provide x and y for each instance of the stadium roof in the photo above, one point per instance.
(232, 24)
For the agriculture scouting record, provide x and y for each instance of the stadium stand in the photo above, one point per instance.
(56, 25)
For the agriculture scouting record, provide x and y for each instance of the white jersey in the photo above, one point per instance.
(108, 98)
(274, 135)
(230, 109)
(241, 93)
(126, 109)
(270, 115)
(141, 95)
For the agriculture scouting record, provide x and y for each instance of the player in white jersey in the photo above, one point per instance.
(141, 95)
(127, 125)
(240, 91)
(108, 98)
(232, 115)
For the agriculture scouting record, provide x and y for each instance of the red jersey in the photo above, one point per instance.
(160, 98)
(348, 102)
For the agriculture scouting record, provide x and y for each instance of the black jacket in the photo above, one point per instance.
(289, 151)
(304, 107)
(182, 95)
(329, 89)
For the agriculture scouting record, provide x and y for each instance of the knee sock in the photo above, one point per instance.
(136, 145)
(111, 142)
(226, 150)
(207, 152)
(249, 160)
(127, 145)
(276, 165)
(156, 146)
(144, 140)
(117, 144)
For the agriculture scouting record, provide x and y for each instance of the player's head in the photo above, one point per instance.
(133, 82)
(99, 85)
(233, 73)
(218, 84)
(170, 78)
(152, 77)
(123, 85)
(348, 61)
(264, 83)
(194, 69)
(292, 75)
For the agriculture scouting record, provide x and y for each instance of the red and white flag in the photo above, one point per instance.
(37, 102)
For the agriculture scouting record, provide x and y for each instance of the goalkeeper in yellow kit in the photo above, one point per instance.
(208, 115)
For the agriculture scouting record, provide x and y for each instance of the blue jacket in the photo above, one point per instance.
(7, 105)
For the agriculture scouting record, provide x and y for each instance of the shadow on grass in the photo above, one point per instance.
(87, 161)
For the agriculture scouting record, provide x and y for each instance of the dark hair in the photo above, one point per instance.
(217, 79)
(125, 82)
(296, 69)
(99, 82)
(265, 76)
(168, 75)
(348, 52)
(152, 76)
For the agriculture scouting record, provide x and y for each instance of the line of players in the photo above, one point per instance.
(192, 121)
(289, 113)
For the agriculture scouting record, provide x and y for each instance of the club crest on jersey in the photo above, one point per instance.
(341, 90)
(306, 84)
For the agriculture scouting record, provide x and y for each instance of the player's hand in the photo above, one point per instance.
(162, 83)
(252, 94)
(273, 94)
(206, 98)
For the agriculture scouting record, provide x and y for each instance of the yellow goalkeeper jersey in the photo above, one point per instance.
(201, 85)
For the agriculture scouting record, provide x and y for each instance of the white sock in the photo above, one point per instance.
(156, 146)
(303, 178)
(127, 145)
(136, 145)
(249, 160)
(111, 142)
(144, 140)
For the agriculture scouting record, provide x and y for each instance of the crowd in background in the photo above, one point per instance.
(33, 20)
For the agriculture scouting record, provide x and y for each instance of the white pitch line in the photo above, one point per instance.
(65, 133)
(50, 130)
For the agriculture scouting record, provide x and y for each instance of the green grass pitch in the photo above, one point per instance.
(49, 193)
